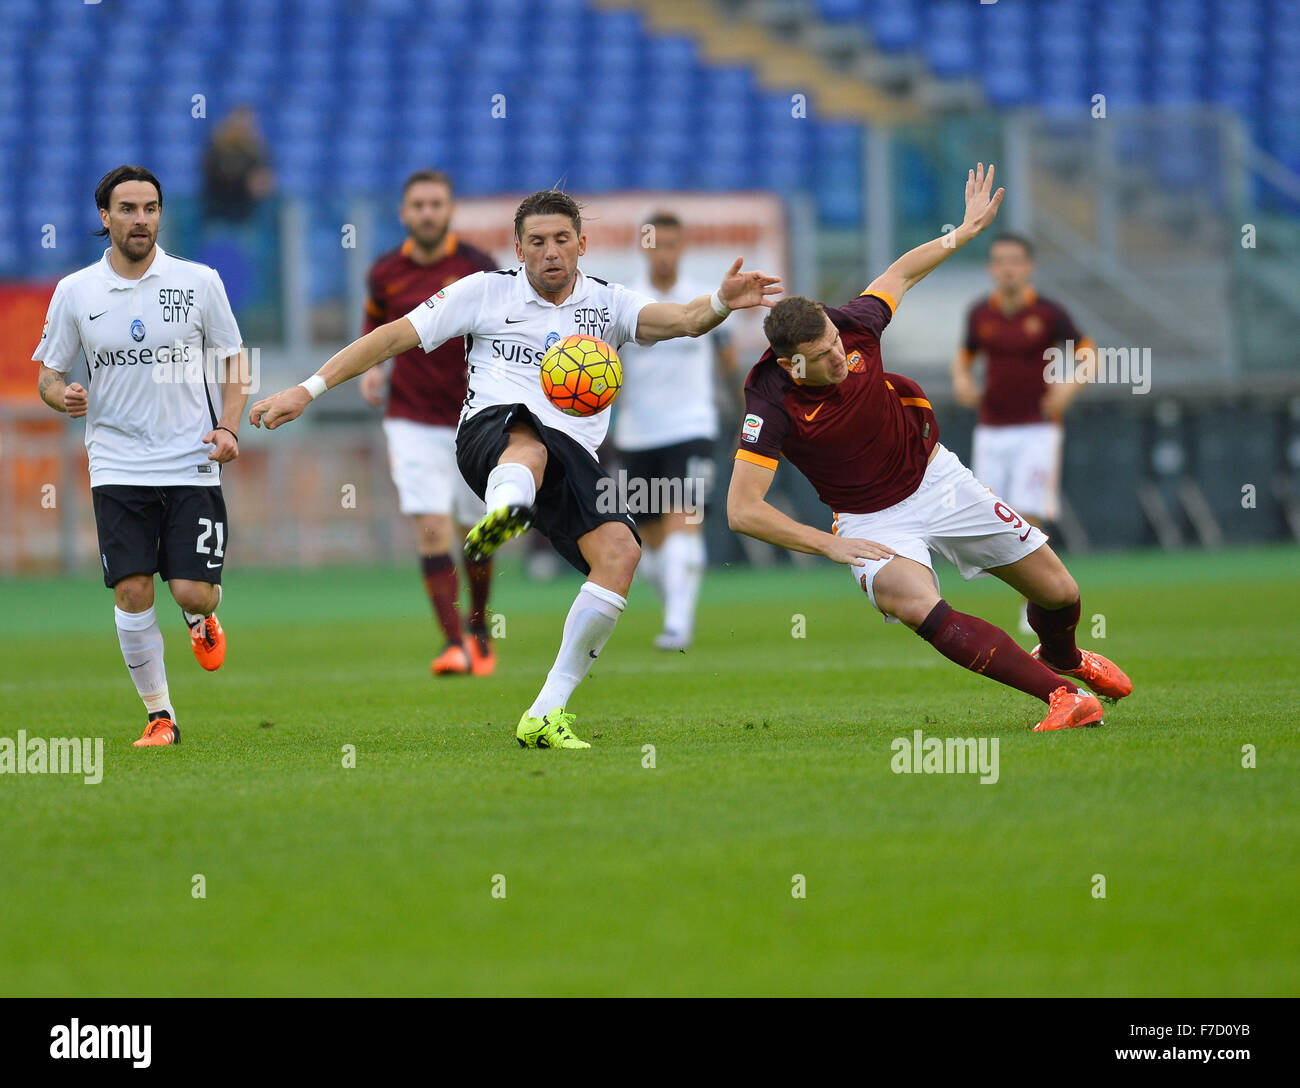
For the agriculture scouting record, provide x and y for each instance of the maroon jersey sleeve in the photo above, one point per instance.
(766, 423)
(375, 314)
(871, 310)
(1063, 326)
(972, 344)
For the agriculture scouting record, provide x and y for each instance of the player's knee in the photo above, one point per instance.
(911, 611)
(1061, 592)
(134, 593)
(617, 553)
(192, 596)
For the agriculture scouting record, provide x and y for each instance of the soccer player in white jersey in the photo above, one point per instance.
(163, 399)
(665, 426)
(531, 463)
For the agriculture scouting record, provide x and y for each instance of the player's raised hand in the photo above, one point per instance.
(982, 202)
(75, 400)
(741, 290)
(225, 447)
(280, 408)
(853, 550)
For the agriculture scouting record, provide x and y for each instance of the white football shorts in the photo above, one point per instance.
(422, 459)
(1022, 463)
(951, 513)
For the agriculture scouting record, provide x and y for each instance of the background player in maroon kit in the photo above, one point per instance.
(425, 394)
(868, 442)
(1017, 441)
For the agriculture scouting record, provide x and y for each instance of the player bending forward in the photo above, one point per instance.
(529, 461)
(868, 441)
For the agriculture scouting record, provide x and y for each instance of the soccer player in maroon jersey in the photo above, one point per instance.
(868, 441)
(425, 392)
(1017, 441)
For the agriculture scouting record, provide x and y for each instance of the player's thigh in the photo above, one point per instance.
(422, 462)
(1035, 467)
(906, 593)
(967, 523)
(128, 524)
(195, 534)
(1040, 577)
(906, 590)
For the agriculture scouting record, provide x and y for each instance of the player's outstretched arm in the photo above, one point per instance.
(54, 391)
(749, 512)
(738, 291)
(358, 357)
(911, 268)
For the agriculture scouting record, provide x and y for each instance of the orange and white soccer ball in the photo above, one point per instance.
(581, 375)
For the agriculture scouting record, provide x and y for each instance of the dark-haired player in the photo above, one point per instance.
(163, 399)
(665, 425)
(531, 463)
(868, 441)
(425, 392)
(1016, 447)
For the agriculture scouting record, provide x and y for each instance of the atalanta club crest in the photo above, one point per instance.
(137, 330)
(857, 364)
(551, 337)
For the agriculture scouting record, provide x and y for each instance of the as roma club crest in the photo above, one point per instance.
(857, 364)
(1032, 325)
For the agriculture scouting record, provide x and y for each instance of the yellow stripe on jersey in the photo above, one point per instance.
(757, 459)
(884, 297)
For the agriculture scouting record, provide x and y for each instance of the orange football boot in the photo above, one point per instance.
(453, 661)
(1104, 677)
(483, 659)
(208, 641)
(158, 732)
(1069, 709)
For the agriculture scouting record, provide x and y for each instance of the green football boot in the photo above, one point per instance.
(496, 527)
(551, 731)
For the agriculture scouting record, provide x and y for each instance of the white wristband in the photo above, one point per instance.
(719, 307)
(315, 385)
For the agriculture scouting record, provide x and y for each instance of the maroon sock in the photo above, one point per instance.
(1055, 631)
(480, 582)
(979, 646)
(441, 585)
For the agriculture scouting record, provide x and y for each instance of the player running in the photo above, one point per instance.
(1019, 434)
(529, 461)
(160, 423)
(665, 425)
(425, 392)
(868, 441)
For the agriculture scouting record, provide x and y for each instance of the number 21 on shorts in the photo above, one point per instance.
(207, 529)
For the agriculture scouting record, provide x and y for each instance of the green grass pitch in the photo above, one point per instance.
(772, 758)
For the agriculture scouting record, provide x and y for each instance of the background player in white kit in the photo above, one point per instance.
(160, 422)
(665, 426)
(530, 461)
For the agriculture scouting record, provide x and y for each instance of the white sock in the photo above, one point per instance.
(141, 640)
(683, 570)
(651, 568)
(509, 483)
(195, 618)
(589, 624)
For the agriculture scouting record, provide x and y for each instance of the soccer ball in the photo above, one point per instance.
(581, 375)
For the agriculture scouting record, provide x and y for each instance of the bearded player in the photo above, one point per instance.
(425, 392)
(164, 357)
(868, 442)
(531, 463)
